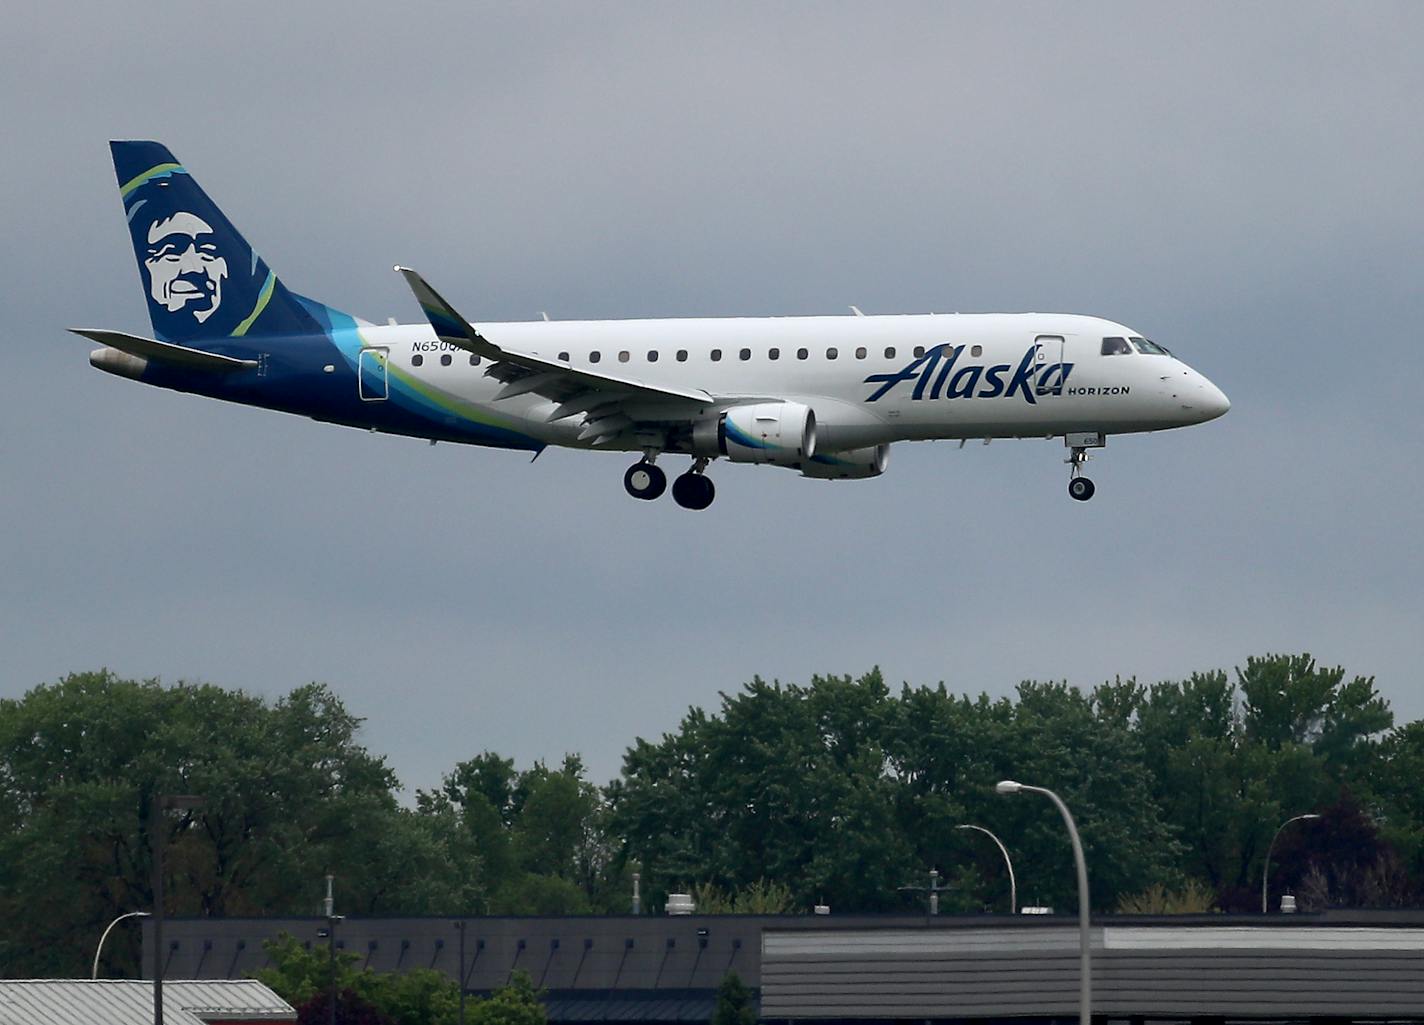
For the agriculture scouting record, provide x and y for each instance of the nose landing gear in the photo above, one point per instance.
(1080, 487)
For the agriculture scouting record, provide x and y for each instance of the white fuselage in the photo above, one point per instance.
(825, 362)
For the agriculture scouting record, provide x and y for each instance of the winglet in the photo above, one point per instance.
(448, 324)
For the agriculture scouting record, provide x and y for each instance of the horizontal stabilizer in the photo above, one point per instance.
(164, 352)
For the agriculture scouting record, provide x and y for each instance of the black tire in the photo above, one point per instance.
(693, 491)
(1081, 488)
(645, 481)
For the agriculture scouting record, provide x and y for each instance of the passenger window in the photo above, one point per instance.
(860, 353)
(652, 355)
(802, 353)
(1116, 347)
(417, 360)
(977, 350)
(831, 353)
(563, 357)
(773, 353)
(745, 354)
(623, 356)
(716, 355)
(682, 355)
(594, 357)
(890, 352)
(446, 359)
(475, 360)
(919, 352)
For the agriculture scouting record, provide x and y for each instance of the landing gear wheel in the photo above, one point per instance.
(693, 491)
(1081, 488)
(645, 481)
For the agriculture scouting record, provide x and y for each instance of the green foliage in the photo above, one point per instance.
(541, 833)
(517, 1003)
(419, 996)
(758, 898)
(837, 791)
(1193, 898)
(734, 1002)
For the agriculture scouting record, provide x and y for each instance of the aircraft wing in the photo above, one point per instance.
(164, 352)
(612, 404)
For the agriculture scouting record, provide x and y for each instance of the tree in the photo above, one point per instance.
(289, 794)
(516, 1003)
(734, 1002)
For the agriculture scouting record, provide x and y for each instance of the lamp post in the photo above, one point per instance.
(132, 914)
(162, 803)
(1013, 886)
(1266, 868)
(1085, 955)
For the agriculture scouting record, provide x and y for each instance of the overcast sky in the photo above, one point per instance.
(1240, 183)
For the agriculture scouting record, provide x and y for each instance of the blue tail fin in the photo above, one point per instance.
(202, 279)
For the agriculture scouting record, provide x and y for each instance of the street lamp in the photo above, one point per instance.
(1013, 886)
(1266, 868)
(132, 914)
(162, 803)
(1085, 962)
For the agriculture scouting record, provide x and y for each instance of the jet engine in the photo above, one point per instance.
(781, 433)
(857, 464)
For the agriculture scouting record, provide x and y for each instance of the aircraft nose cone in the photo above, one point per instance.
(1214, 402)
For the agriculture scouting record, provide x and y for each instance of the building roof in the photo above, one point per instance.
(130, 1002)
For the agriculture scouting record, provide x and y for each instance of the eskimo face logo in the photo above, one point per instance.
(185, 270)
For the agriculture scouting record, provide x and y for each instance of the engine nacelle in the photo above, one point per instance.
(857, 464)
(781, 433)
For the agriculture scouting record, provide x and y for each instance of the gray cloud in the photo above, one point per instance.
(1240, 183)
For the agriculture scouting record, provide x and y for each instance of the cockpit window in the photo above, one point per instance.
(1149, 348)
(1116, 347)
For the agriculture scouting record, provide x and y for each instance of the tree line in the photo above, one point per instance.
(841, 791)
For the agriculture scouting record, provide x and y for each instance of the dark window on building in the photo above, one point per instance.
(417, 360)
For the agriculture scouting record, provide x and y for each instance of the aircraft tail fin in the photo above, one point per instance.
(203, 282)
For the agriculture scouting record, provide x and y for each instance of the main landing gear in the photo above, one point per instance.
(644, 480)
(1080, 487)
(692, 490)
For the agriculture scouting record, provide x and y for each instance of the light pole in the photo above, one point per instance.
(132, 914)
(1085, 954)
(1266, 868)
(1013, 886)
(162, 803)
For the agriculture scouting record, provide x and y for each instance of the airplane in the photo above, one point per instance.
(825, 396)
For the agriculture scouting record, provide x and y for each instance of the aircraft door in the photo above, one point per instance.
(371, 376)
(1048, 351)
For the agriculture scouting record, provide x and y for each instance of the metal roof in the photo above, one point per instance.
(130, 1002)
